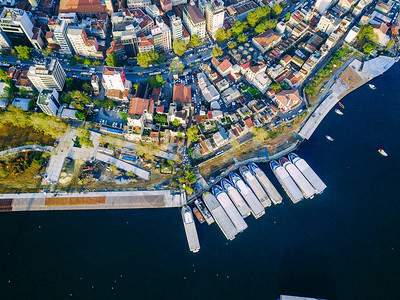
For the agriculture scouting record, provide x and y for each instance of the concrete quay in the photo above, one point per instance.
(352, 77)
(91, 200)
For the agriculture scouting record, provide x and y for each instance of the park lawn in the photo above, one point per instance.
(23, 182)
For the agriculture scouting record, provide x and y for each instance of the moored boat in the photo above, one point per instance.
(252, 181)
(338, 111)
(372, 87)
(204, 211)
(272, 192)
(341, 105)
(382, 152)
(190, 229)
(286, 181)
(237, 199)
(329, 138)
(198, 215)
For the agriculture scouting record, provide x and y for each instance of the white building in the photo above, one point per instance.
(322, 5)
(17, 25)
(161, 36)
(48, 102)
(82, 44)
(60, 34)
(48, 76)
(152, 11)
(114, 78)
(177, 28)
(194, 20)
(138, 3)
(352, 34)
(70, 18)
(214, 16)
(178, 2)
(4, 40)
(328, 23)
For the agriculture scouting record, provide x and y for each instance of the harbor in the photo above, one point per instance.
(233, 200)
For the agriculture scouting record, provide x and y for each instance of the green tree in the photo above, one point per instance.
(108, 103)
(24, 53)
(10, 92)
(263, 12)
(287, 17)
(112, 60)
(177, 66)
(222, 35)
(87, 87)
(276, 87)
(96, 63)
(73, 61)
(242, 38)
(175, 123)
(80, 99)
(260, 28)
(252, 18)
(124, 115)
(161, 59)
(179, 47)
(192, 133)
(276, 10)
(160, 118)
(87, 62)
(237, 28)
(84, 137)
(144, 59)
(194, 41)
(260, 134)
(216, 51)
(156, 81)
(232, 45)
(368, 48)
(3, 75)
(23, 92)
(80, 115)
(270, 24)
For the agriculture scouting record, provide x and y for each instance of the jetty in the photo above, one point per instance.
(256, 208)
(190, 229)
(305, 187)
(255, 186)
(229, 208)
(272, 192)
(286, 181)
(237, 199)
(220, 216)
(308, 173)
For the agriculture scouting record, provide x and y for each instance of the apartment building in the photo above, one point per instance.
(49, 76)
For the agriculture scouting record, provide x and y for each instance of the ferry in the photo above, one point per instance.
(382, 152)
(286, 181)
(190, 229)
(255, 186)
(229, 208)
(372, 87)
(329, 138)
(306, 188)
(341, 105)
(256, 208)
(338, 111)
(204, 211)
(308, 173)
(237, 199)
(198, 215)
(272, 192)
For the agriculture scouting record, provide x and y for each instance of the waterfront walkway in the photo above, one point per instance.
(355, 75)
(26, 148)
(92, 200)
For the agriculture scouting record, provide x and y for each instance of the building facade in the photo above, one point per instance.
(48, 102)
(82, 44)
(214, 16)
(49, 76)
(177, 28)
(60, 35)
(194, 20)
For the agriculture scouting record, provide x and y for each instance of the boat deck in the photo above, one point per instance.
(190, 229)
(310, 175)
(239, 202)
(288, 184)
(256, 208)
(272, 192)
(306, 188)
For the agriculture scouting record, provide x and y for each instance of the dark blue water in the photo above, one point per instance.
(343, 244)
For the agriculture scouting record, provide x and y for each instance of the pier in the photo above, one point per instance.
(92, 200)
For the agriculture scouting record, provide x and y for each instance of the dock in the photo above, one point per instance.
(190, 229)
(236, 198)
(256, 208)
(286, 181)
(305, 187)
(308, 173)
(229, 208)
(220, 216)
(255, 186)
(272, 192)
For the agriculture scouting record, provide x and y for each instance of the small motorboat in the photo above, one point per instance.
(382, 152)
(329, 138)
(372, 87)
(341, 105)
(338, 111)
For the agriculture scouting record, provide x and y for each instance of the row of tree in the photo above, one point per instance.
(180, 47)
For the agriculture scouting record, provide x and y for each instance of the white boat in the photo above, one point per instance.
(372, 87)
(329, 138)
(338, 111)
(382, 152)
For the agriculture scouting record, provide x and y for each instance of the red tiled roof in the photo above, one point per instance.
(82, 6)
(266, 38)
(182, 93)
(138, 105)
(249, 122)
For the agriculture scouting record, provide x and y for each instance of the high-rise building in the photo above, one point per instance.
(322, 5)
(129, 40)
(178, 2)
(138, 3)
(177, 28)
(161, 36)
(48, 102)
(166, 5)
(4, 40)
(48, 76)
(194, 20)
(214, 16)
(60, 34)
(82, 44)
(17, 25)
(33, 3)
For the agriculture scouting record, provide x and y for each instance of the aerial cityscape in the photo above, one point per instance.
(204, 107)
